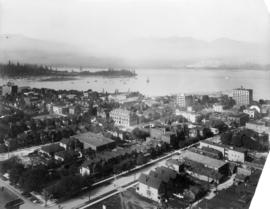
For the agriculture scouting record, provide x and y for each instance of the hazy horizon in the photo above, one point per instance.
(139, 32)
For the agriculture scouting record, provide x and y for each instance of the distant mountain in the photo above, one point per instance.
(18, 48)
(178, 51)
(172, 52)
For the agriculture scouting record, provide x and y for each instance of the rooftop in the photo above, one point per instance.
(207, 161)
(150, 181)
(92, 139)
(52, 148)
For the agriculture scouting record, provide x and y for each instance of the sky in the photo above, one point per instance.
(106, 23)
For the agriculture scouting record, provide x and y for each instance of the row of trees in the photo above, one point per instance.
(67, 180)
(24, 70)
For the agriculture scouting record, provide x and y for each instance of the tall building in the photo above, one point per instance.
(243, 96)
(184, 100)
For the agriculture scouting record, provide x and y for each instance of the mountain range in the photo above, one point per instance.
(172, 52)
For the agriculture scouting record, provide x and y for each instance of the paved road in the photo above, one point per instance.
(27, 203)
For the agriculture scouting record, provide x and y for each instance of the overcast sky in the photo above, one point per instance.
(104, 22)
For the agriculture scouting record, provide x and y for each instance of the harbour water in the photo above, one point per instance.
(155, 82)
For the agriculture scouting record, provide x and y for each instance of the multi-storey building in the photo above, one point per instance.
(230, 153)
(192, 117)
(243, 96)
(184, 100)
(218, 107)
(123, 117)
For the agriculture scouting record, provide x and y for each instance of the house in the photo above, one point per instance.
(94, 141)
(8, 199)
(150, 187)
(154, 185)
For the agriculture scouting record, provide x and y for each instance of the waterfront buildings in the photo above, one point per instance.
(243, 96)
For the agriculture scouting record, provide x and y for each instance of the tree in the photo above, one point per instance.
(140, 134)
(34, 179)
(226, 138)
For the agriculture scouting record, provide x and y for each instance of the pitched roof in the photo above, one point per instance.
(205, 160)
(52, 148)
(150, 181)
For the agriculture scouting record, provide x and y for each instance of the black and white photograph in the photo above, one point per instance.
(134, 104)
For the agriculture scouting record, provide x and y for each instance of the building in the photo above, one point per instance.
(207, 151)
(51, 149)
(8, 199)
(208, 162)
(9, 89)
(150, 187)
(229, 153)
(60, 109)
(175, 164)
(154, 185)
(260, 127)
(74, 110)
(169, 137)
(240, 119)
(218, 108)
(123, 117)
(205, 168)
(184, 100)
(192, 117)
(94, 141)
(156, 133)
(243, 96)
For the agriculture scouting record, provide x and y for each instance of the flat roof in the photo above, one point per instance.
(208, 161)
(91, 139)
